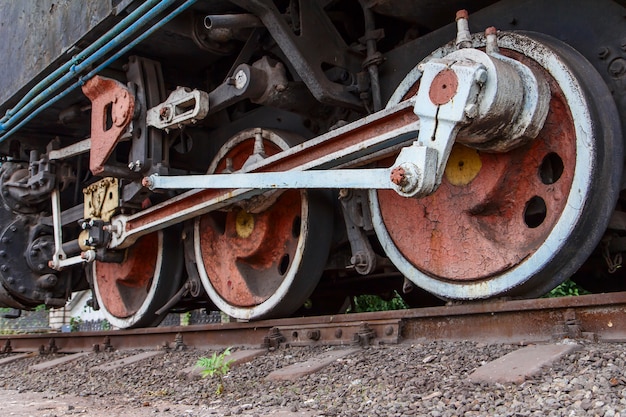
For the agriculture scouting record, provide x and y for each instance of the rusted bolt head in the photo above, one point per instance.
(338, 333)
(398, 176)
(389, 330)
(604, 52)
(617, 67)
(462, 14)
(313, 334)
(146, 182)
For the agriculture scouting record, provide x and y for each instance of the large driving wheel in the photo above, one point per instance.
(131, 292)
(516, 223)
(262, 258)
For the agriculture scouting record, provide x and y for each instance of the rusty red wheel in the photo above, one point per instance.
(263, 257)
(521, 222)
(130, 293)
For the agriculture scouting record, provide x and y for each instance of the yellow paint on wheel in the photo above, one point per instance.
(463, 165)
(244, 224)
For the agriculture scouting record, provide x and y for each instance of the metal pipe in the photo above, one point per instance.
(76, 69)
(82, 79)
(117, 29)
(232, 21)
(374, 58)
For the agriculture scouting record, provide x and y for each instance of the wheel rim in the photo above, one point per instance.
(260, 263)
(130, 293)
(478, 236)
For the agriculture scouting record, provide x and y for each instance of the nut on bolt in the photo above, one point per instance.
(398, 176)
(147, 182)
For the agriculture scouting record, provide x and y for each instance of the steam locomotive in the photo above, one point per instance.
(273, 157)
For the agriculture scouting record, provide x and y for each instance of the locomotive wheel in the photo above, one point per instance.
(130, 293)
(516, 223)
(262, 259)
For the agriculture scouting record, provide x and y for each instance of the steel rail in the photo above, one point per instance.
(598, 317)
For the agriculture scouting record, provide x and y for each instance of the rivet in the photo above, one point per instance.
(4, 268)
(604, 52)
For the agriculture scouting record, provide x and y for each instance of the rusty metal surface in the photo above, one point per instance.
(599, 316)
(45, 35)
(329, 150)
(123, 287)
(112, 109)
(476, 225)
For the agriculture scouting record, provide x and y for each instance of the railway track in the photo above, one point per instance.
(597, 317)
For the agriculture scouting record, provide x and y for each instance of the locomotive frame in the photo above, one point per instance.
(272, 157)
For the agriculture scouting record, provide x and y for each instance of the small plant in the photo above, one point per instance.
(366, 303)
(185, 318)
(75, 323)
(566, 289)
(216, 365)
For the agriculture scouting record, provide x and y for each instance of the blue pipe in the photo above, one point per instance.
(81, 56)
(76, 69)
(82, 80)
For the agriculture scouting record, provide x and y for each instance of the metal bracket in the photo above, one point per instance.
(353, 202)
(112, 109)
(377, 331)
(182, 107)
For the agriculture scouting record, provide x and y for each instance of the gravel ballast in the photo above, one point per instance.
(428, 379)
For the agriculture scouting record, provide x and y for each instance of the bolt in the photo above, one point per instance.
(131, 166)
(41, 267)
(471, 110)
(492, 40)
(313, 334)
(164, 113)
(389, 330)
(398, 176)
(10, 280)
(338, 333)
(604, 52)
(241, 79)
(463, 36)
(481, 76)
(13, 229)
(4, 268)
(90, 240)
(6, 240)
(617, 67)
(146, 182)
(22, 289)
(3, 254)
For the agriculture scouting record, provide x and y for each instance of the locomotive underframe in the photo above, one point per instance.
(299, 70)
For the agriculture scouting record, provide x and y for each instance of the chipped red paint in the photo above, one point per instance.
(477, 230)
(339, 141)
(245, 271)
(106, 96)
(123, 287)
(398, 176)
(443, 87)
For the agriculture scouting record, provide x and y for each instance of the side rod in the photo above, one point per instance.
(354, 144)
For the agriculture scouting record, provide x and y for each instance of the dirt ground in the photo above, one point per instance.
(38, 404)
